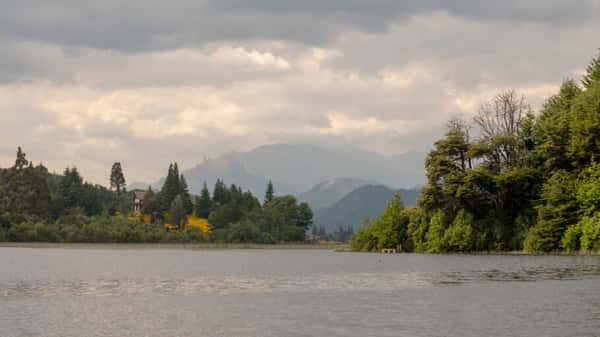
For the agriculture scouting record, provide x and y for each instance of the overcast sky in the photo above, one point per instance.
(87, 83)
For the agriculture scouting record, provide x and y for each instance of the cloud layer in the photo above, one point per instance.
(89, 83)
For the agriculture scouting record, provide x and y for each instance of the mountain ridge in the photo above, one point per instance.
(296, 168)
(328, 192)
(365, 202)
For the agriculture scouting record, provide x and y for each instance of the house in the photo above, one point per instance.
(138, 201)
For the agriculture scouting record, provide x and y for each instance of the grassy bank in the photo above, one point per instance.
(197, 246)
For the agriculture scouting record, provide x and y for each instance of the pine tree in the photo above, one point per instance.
(184, 192)
(553, 129)
(171, 188)
(71, 188)
(117, 179)
(270, 193)
(176, 171)
(220, 193)
(592, 72)
(203, 203)
(584, 142)
(556, 212)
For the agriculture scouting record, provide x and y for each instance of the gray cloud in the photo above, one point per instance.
(146, 83)
(151, 25)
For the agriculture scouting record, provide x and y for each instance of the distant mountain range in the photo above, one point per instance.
(365, 202)
(295, 168)
(331, 191)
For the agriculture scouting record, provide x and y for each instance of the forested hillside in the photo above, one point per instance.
(508, 180)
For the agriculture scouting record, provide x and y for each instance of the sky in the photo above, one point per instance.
(87, 83)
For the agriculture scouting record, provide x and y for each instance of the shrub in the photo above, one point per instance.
(365, 240)
(588, 189)
(417, 229)
(435, 234)
(244, 232)
(571, 239)
(590, 232)
(458, 237)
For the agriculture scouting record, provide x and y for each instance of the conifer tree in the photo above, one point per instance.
(270, 193)
(117, 179)
(557, 211)
(71, 188)
(171, 187)
(203, 203)
(553, 129)
(220, 193)
(184, 192)
(592, 72)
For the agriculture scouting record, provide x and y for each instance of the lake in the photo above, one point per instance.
(169, 292)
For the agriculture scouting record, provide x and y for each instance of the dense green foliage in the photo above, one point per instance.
(38, 206)
(524, 181)
(97, 229)
(203, 203)
(390, 230)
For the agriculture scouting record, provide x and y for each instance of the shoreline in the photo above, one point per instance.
(342, 249)
(335, 247)
(183, 246)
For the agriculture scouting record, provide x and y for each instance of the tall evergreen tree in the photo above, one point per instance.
(184, 192)
(203, 203)
(584, 143)
(553, 129)
(117, 179)
(71, 188)
(269, 193)
(171, 188)
(592, 72)
(220, 193)
(557, 211)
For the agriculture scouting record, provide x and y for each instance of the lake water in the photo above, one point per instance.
(239, 293)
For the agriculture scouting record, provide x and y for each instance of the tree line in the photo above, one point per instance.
(36, 205)
(507, 180)
(234, 215)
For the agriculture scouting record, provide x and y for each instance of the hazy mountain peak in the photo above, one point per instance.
(295, 168)
(364, 202)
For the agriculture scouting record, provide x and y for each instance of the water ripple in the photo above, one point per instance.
(322, 281)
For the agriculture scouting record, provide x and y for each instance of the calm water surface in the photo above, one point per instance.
(239, 293)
